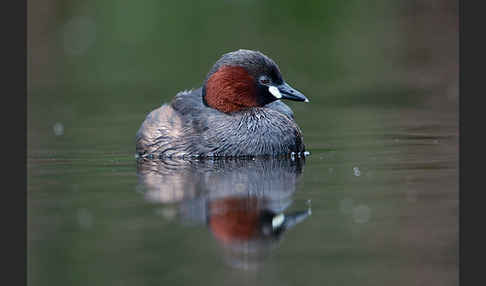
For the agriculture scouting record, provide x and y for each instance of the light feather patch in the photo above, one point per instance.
(278, 220)
(275, 92)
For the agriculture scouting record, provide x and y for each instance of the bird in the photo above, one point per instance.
(237, 112)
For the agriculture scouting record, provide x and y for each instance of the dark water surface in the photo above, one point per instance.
(376, 202)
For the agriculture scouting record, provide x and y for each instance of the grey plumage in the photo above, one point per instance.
(188, 128)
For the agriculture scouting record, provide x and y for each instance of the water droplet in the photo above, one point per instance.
(58, 129)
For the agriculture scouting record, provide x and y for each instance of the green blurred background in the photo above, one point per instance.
(124, 58)
(382, 77)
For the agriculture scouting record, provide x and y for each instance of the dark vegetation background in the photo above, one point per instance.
(123, 58)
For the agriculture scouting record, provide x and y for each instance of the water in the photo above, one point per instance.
(376, 200)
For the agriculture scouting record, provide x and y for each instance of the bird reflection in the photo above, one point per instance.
(242, 201)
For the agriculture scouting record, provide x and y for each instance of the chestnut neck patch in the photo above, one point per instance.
(231, 89)
(235, 219)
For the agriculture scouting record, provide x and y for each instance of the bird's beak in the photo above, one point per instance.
(293, 219)
(285, 91)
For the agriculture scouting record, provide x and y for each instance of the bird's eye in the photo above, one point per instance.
(264, 80)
